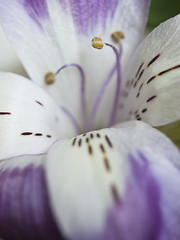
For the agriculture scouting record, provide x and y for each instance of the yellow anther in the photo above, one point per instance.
(97, 43)
(117, 36)
(50, 78)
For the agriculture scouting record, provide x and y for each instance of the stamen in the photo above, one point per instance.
(97, 43)
(83, 101)
(72, 119)
(50, 78)
(117, 93)
(117, 36)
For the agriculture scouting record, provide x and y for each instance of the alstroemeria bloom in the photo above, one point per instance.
(66, 172)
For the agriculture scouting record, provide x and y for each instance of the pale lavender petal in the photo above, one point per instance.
(24, 204)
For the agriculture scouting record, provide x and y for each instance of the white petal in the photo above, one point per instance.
(151, 94)
(35, 43)
(88, 175)
(47, 37)
(48, 52)
(86, 179)
(80, 21)
(31, 35)
(30, 121)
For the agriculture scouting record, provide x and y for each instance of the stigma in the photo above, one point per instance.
(97, 43)
(50, 78)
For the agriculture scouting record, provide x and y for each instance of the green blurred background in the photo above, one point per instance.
(161, 10)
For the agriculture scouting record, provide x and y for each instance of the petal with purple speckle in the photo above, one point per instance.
(115, 184)
(30, 121)
(153, 94)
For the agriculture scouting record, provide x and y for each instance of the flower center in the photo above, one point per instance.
(97, 43)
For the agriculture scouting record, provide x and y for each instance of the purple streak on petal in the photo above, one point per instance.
(24, 205)
(87, 13)
(37, 10)
(139, 216)
(141, 206)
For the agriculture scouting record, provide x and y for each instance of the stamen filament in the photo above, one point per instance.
(83, 100)
(104, 87)
(72, 119)
(118, 85)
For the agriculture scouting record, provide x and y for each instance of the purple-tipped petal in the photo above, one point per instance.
(80, 21)
(49, 34)
(138, 214)
(116, 184)
(35, 43)
(106, 184)
(25, 212)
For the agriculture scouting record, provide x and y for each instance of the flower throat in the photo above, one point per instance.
(97, 43)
